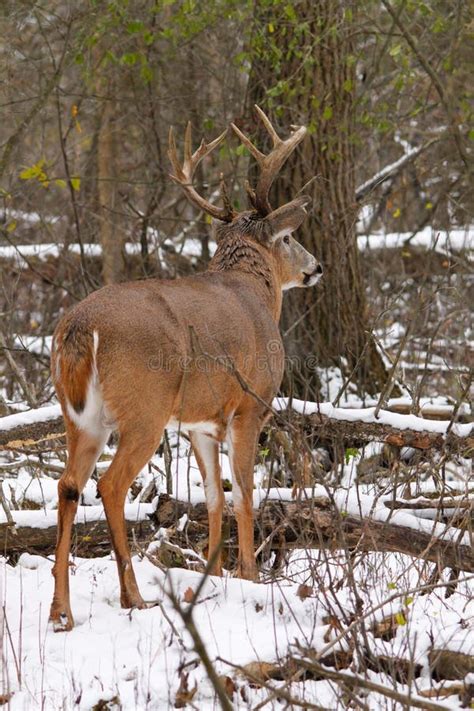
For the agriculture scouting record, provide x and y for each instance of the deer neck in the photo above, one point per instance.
(244, 256)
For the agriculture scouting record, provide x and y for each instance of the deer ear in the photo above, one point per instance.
(287, 218)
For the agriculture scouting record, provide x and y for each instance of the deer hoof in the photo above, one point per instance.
(61, 621)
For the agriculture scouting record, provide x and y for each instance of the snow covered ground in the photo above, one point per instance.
(140, 659)
(137, 657)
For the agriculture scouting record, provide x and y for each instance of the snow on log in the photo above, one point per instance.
(363, 425)
(327, 422)
(280, 524)
(316, 524)
(35, 531)
(31, 427)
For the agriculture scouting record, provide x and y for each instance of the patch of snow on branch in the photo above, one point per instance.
(429, 238)
(367, 415)
(41, 414)
(85, 514)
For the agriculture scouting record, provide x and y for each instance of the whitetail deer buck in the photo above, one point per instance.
(203, 351)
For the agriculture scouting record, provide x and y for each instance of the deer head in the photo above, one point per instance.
(271, 229)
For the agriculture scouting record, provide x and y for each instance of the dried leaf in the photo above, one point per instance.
(188, 595)
(304, 591)
(228, 684)
(184, 694)
(259, 671)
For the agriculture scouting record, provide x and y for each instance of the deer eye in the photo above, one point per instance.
(286, 239)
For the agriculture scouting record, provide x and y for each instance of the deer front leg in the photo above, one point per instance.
(242, 443)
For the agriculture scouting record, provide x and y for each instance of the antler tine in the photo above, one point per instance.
(268, 125)
(271, 163)
(205, 148)
(258, 155)
(183, 175)
(188, 138)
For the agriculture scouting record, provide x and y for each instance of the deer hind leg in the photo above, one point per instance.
(84, 449)
(242, 442)
(206, 451)
(135, 449)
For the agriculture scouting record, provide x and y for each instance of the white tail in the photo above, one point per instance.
(203, 351)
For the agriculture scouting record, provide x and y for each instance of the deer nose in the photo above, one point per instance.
(319, 269)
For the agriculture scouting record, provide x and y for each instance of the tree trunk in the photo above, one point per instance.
(113, 266)
(307, 75)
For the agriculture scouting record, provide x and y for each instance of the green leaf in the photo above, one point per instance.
(327, 113)
(290, 12)
(347, 86)
(146, 73)
(11, 226)
(129, 58)
(34, 171)
(400, 618)
(438, 25)
(409, 600)
(135, 26)
(395, 50)
(349, 453)
(60, 183)
(241, 150)
(76, 183)
(392, 586)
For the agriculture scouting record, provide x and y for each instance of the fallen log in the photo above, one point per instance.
(17, 434)
(316, 524)
(90, 538)
(448, 664)
(357, 433)
(32, 427)
(446, 502)
(282, 525)
(292, 669)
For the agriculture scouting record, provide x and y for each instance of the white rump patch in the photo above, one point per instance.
(95, 417)
(91, 419)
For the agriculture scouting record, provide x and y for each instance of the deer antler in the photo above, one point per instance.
(271, 163)
(183, 175)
